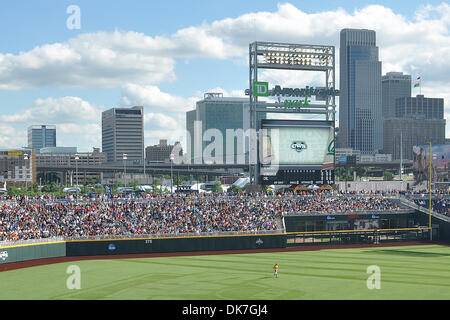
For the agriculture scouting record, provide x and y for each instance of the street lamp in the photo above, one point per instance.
(76, 172)
(25, 157)
(76, 168)
(124, 157)
(171, 171)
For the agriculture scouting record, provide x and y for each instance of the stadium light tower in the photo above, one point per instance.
(288, 56)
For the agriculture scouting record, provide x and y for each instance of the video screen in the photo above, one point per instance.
(298, 143)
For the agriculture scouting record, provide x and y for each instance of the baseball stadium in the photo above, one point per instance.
(222, 246)
(304, 239)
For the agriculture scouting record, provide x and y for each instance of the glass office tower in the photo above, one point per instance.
(41, 136)
(360, 100)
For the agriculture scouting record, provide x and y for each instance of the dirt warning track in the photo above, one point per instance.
(40, 262)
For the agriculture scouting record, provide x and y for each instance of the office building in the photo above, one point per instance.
(376, 158)
(123, 133)
(41, 136)
(394, 85)
(360, 99)
(75, 161)
(418, 121)
(160, 152)
(419, 107)
(59, 150)
(17, 167)
(347, 152)
(217, 114)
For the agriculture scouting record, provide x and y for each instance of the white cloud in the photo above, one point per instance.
(108, 59)
(153, 99)
(164, 113)
(55, 110)
(78, 123)
(90, 60)
(138, 62)
(11, 137)
(81, 135)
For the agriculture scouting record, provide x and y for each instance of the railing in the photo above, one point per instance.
(4, 244)
(416, 206)
(172, 235)
(346, 213)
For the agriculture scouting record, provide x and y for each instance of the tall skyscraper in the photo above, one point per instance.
(41, 136)
(394, 85)
(123, 133)
(360, 103)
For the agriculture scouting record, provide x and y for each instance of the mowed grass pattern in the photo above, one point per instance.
(407, 272)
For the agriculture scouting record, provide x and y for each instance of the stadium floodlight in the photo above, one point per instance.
(313, 59)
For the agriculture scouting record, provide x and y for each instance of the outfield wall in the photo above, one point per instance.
(26, 252)
(174, 244)
(70, 248)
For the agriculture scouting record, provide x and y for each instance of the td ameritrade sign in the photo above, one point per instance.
(261, 89)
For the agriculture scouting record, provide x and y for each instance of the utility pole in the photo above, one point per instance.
(171, 172)
(25, 157)
(124, 158)
(429, 189)
(401, 155)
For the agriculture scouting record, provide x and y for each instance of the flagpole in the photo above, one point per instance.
(417, 84)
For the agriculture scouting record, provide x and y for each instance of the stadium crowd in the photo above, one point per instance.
(441, 206)
(44, 216)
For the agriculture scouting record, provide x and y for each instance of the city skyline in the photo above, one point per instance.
(68, 77)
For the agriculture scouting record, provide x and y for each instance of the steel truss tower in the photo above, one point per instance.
(287, 56)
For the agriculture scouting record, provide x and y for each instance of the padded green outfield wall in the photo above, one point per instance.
(27, 252)
(174, 244)
(18, 253)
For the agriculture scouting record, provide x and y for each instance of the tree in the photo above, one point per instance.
(217, 187)
(52, 187)
(235, 188)
(133, 184)
(178, 179)
(361, 171)
(388, 176)
(156, 182)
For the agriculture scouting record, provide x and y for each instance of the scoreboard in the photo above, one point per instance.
(297, 152)
(299, 176)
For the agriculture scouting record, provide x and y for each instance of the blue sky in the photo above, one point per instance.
(166, 54)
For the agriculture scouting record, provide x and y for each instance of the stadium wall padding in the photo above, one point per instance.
(32, 252)
(167, 245)
(444, 226)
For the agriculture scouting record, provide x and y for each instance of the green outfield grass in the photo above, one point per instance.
(407, 272)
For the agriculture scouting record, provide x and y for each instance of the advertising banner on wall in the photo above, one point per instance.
(440, 162)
